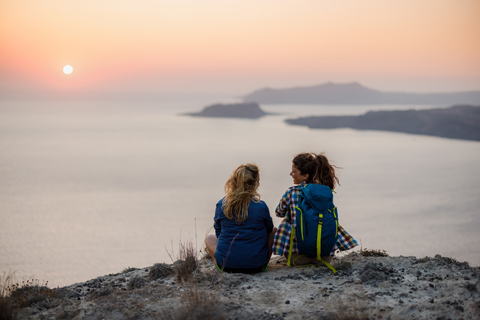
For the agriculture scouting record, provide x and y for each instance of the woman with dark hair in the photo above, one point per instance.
(243, 226)
(307, 168)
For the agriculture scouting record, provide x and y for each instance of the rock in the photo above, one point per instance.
(374, 287)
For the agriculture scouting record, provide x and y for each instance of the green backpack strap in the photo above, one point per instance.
(328, 265)
(292, 235)
(319, 243)
(319, 236)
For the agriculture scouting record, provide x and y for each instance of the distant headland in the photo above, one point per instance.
(457, 122)
(356, 94)
(248, 110)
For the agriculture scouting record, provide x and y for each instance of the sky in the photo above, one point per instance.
(154, 47)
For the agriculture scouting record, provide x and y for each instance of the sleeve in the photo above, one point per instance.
(283, 207)
(217, 220)
(344, 240)
(268, 220)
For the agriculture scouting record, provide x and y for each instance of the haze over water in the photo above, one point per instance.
(99, 172)
(91, 188)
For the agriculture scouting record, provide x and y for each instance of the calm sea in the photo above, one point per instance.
(91, 188)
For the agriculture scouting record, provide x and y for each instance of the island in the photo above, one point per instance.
(356, 94)
(457, 122)
(247, 110)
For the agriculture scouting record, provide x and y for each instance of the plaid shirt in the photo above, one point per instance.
(286, 208)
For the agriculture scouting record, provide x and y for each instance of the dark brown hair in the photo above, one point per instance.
(319, 170)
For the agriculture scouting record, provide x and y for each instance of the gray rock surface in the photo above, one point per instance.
(365, 287)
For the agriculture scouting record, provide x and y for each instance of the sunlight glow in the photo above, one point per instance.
(67, 69)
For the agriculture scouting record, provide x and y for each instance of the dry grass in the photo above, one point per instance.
(129, 269)
(15, 295)
(159, 271)
(373, 253)
(198, 302)
(186, 262)
(7, 311)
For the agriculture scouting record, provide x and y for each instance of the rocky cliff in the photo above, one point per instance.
(368, 285)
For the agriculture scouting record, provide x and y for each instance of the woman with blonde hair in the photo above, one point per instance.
(243, 226)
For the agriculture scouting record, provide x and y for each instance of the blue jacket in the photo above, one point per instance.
(243, 245)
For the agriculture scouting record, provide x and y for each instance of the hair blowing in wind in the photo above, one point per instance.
(240, 188)
(319, 170)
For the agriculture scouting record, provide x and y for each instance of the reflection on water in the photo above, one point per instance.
(92, 188)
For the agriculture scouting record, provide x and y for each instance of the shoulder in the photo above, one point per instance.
(262, 203)
(293, 189)
(220, 202)
(258, 204)
(259, 208)
(219, 208)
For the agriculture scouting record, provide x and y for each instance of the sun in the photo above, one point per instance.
(67, 69)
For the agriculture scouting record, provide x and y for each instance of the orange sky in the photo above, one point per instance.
(238, 46)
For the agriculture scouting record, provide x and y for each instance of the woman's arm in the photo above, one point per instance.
(268, 220)
(217, 220)
(283, 207)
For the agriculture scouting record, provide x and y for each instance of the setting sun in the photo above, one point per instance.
(67, 69)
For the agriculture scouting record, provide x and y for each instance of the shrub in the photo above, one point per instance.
(129, 269)
(373, 253)
(14, 296)
(158, 271)
(7, 311)
(30, 294)
(187, 261)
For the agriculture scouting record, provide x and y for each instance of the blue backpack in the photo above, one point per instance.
(317, 223)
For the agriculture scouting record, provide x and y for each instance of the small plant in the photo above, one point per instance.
(423, 260)
(373, 253)
(158, 271)
(447, 260)
(14, 295)
(197, 303)
(7, 311)
(129, 269)
(186, 263)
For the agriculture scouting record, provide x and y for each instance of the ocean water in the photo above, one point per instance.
(89, 188)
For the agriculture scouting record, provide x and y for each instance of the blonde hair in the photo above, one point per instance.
(240, 188)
